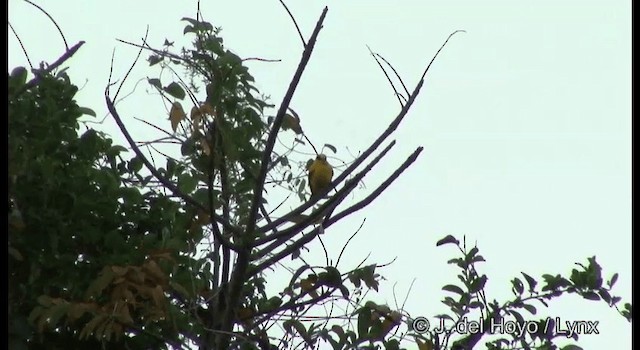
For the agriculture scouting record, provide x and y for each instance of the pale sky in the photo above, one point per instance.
(525, 120)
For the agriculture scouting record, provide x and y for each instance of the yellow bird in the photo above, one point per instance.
(320, 174)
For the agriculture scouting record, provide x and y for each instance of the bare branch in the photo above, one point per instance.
(66, 46)
(387, 75)
(440, 49)
(406, 91)
(115, 97)
(169, 135)
(277, 123)
(304, 44)
(168, 184)
(327, 207)
(260, 59)
(42, 72)
(306, 238)
(335, 199)
(344, 248)
(363, 203)
(21, 46)
(390, 129)
(242, 259)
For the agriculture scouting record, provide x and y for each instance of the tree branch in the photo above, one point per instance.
(328, 206)
(366, 201)
(168, 184)
(40, 73)
(388, 78)
(290, 232)
(277, 123)
(243, 254)
(294, 22)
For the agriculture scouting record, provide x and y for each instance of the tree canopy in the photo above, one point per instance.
(112, 247)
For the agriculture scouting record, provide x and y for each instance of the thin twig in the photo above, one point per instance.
(344, 248)
(260, 59)
(392, 127)
(290, 232)
(406, 91)
(169, 135)
(115, 97)
(21, 45)
(304, 44)
(39, 73)
(387, 75)
(440, 49)
(327, 207)
(66, 46)
(383, 186)
(168, 184)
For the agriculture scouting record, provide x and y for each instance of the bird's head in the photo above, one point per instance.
(321, 157)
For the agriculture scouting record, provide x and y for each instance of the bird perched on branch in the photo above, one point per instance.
(320, 174)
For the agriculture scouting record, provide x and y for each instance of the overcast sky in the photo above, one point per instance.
(525, 121)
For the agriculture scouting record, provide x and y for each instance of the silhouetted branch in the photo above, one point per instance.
(243, 255)
(388, 78)
(367, 200)
(26, 54)
(277, 123)
(66, 46)
(294, 22)
(335, 199)
(406, 91)
(344, 247)
(39, 73)
(168, 184)
(260, 59)
(440, 49)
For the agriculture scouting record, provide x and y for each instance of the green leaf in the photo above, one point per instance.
(453, 288)
(35, 314)
(196, 26)
(116, 150)
(289, 325)
(187, 183)
(135, 164)
(471, 254)
(87, 111)
(530, 281)
(331, 147)
(19, 75)
(613, 280)
(478, 284)
(446, 240)
(605, 295)
(174, 89)
(98, 285)
(56, 313)
(155, 82)
(517, 286)
(188, 29)
(392, 344)
(530, 308)
(364, 322)
(589, 295)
